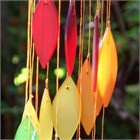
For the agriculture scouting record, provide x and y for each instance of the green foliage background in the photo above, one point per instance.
(121, 117)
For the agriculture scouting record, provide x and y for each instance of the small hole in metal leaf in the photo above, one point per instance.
(67, 87)
(46, 4)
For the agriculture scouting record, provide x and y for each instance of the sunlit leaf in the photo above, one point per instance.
(45, 117)
(108, 67)
(66, 110)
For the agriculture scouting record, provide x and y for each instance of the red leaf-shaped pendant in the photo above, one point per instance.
(45, 28)
(70, 38)
(95, 52)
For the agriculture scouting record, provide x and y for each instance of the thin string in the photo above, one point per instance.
(79, 69)
(94, 127)
(102, 137)
(82, 44)
(94, 132)
(80, 36)
(108, 13)
(31, 57)
(102, 19)
(36, 94)
(98, 4)
(57, 80)
(47, 76)
(89, 31)
(28, 49)
(109, 3)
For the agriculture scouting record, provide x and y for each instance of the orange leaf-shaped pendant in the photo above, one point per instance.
(98, 100)
(45, 117)
(107, 67)
(88, 114)
(66, 110)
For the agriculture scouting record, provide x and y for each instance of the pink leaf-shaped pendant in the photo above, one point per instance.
(70, 38)
(45, 28)
(95, 52)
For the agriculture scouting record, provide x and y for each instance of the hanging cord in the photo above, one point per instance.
(31, 57)
(28, 50)
(47, 76)
(80, 35)
(82, 44)
(78, 136)
(36, 94)
(108, 3)
(89, 31)
(102, 137)
(94, 127)
(102, 20)
(57, 80)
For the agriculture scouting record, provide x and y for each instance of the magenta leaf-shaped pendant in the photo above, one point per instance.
(95, 52)
(70, 38)
(45, 28)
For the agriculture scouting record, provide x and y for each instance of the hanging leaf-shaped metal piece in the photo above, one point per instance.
(66, 110)
(98, 100)
(108, 67)
(95, 52)
(45, 117)
(88, 114)
(70, 38)
(45, 30)
(26, 131)
(29, 127)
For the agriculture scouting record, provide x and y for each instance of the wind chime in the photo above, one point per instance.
(73, 104)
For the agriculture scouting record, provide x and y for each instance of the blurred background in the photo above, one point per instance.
(122, 115)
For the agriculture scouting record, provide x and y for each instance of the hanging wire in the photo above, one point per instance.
(80, 34)
(80, 62)
(36, 94)
(89, 31)
(28, 50)
(47, 76)
(102, 19)
(94, 127)
(31, 56)
(57, 80)
(108, 3)
(82, 37)
(102, 137)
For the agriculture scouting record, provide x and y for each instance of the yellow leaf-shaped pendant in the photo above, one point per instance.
(30, 112)
(107, 67)
(45, 117)
(88, 114)
(66, 110)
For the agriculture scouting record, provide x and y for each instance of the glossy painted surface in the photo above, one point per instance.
(88, 110)
(70, 38)
(95, 51)
(108, 67)
(45, 117)
(66, 110)
(45, 30)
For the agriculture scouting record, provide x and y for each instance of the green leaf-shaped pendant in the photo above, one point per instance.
(26, 131)
(28, 128)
